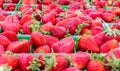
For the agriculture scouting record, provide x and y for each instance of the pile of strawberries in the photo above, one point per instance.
(62, 35)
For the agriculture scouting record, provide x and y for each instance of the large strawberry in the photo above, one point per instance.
(80, 59)
(71, 69)
(50, 17)
(43, 49)
(25, 18)
(70, 24)
(58, 31)
(22, 46)
(12, 36)
(65, 45)
(9, 59)
(50, 40)
(37, 39)
(4, 41)
(85, 44)
(108, 17)
(95, 65)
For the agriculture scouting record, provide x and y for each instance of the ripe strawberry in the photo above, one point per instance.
(96, 22)
(70, 24)
(65, 45)
(58, 19)
(22, 46)
(58, 31)
(71, 69)
(94, 15)
(12, 19)
(50, 40)
(95, 65)
(15, 1)
(96, 30)
(46, 2)
(11, 7)
(80, 59)
(108, 17)
(25, 18)
(39, 6)
(4, 41)
(9, 59)
(17, 69)
(85, 44)
(37, 39)
(2, 17)
(12, 36)
(64, 2)
(86, 32)
(29, 2)
(109, 45)
(50, 17)
(2, 49)
(43, 49)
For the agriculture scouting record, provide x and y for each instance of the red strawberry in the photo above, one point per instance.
(96, 22)
(29, 2)
(15, 1)
(109, 45)
(4, 41)
(37, 39)
(12, 36)
(50, 40)
(85, 44)
(58, 19)
(25, 18)
(43, 49)
(46, 2)
(64, 2)
(39, 6)
(2, 49)
(95, 65)
(50, 17)
(80, 59)
(9, 59)
(22, 46)
(71, 69)
(96, 30)
(65, 45)
(17, 69)
(108, 17)
(26, 27)
(11, 7)
(70, 24)
(58, 31)
(2, 17)
(86, 31)
(94, 15)
(12, 19)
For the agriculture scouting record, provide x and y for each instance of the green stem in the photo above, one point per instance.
(17, 5)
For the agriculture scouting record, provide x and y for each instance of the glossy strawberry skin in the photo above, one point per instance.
(22, 46)
(43, 49)
(71, 69)
(25, 18)
(65, 45)
(96, 30)
(109, 45)
(108, 17)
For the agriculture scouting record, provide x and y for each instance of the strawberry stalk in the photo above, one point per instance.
(17, 5)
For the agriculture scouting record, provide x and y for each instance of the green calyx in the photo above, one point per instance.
(34, 65)
(35, 26)
(97, 56)
(9, 53)
(67, 33)
(5, 67)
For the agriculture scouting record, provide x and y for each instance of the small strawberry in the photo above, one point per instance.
(58, 31)
(71, 69)
(109, 45)
(37, 39)
(4, 41)
(108, 17)
(50, 40)
(43, 49)
(85, 44)
(12, 36)
(22, 46)
(95, 65)
(65, 45)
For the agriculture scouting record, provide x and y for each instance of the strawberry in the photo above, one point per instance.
(50, 40)
(58, 19)
(17, 69)
(96, 22)
(108, 17)
(22, 46)
(9, 59)
(95, 65)
(71, 69)
(96, 30)
(109, 45)
(2, 17)
(15, 1)
(58, 31)
(28, 62)
(70, 24)
(25, 18)
(12, 36)
(12, 19)
(65, 45)
(4, 41)
(11, 7)
(29, 2)
(43, 49)
(37, 39)
(46, 2)
(86, 31)
(85, 44)
(2, 49)
(80, 59)
(94, 15)
(64, 2)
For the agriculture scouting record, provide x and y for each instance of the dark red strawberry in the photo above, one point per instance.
(39, 6)
(4, 41)
(11, 7)
(64, 2)
(65, 45)
(2, 49)
(22, 46)
(71, 69)
(109, 45)
(85, 44)
(37, 39)
(80, 59)
(95, 65)
(58, 31)
(17, 69)
(50, 40)
(43, 49)
(12, 36)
